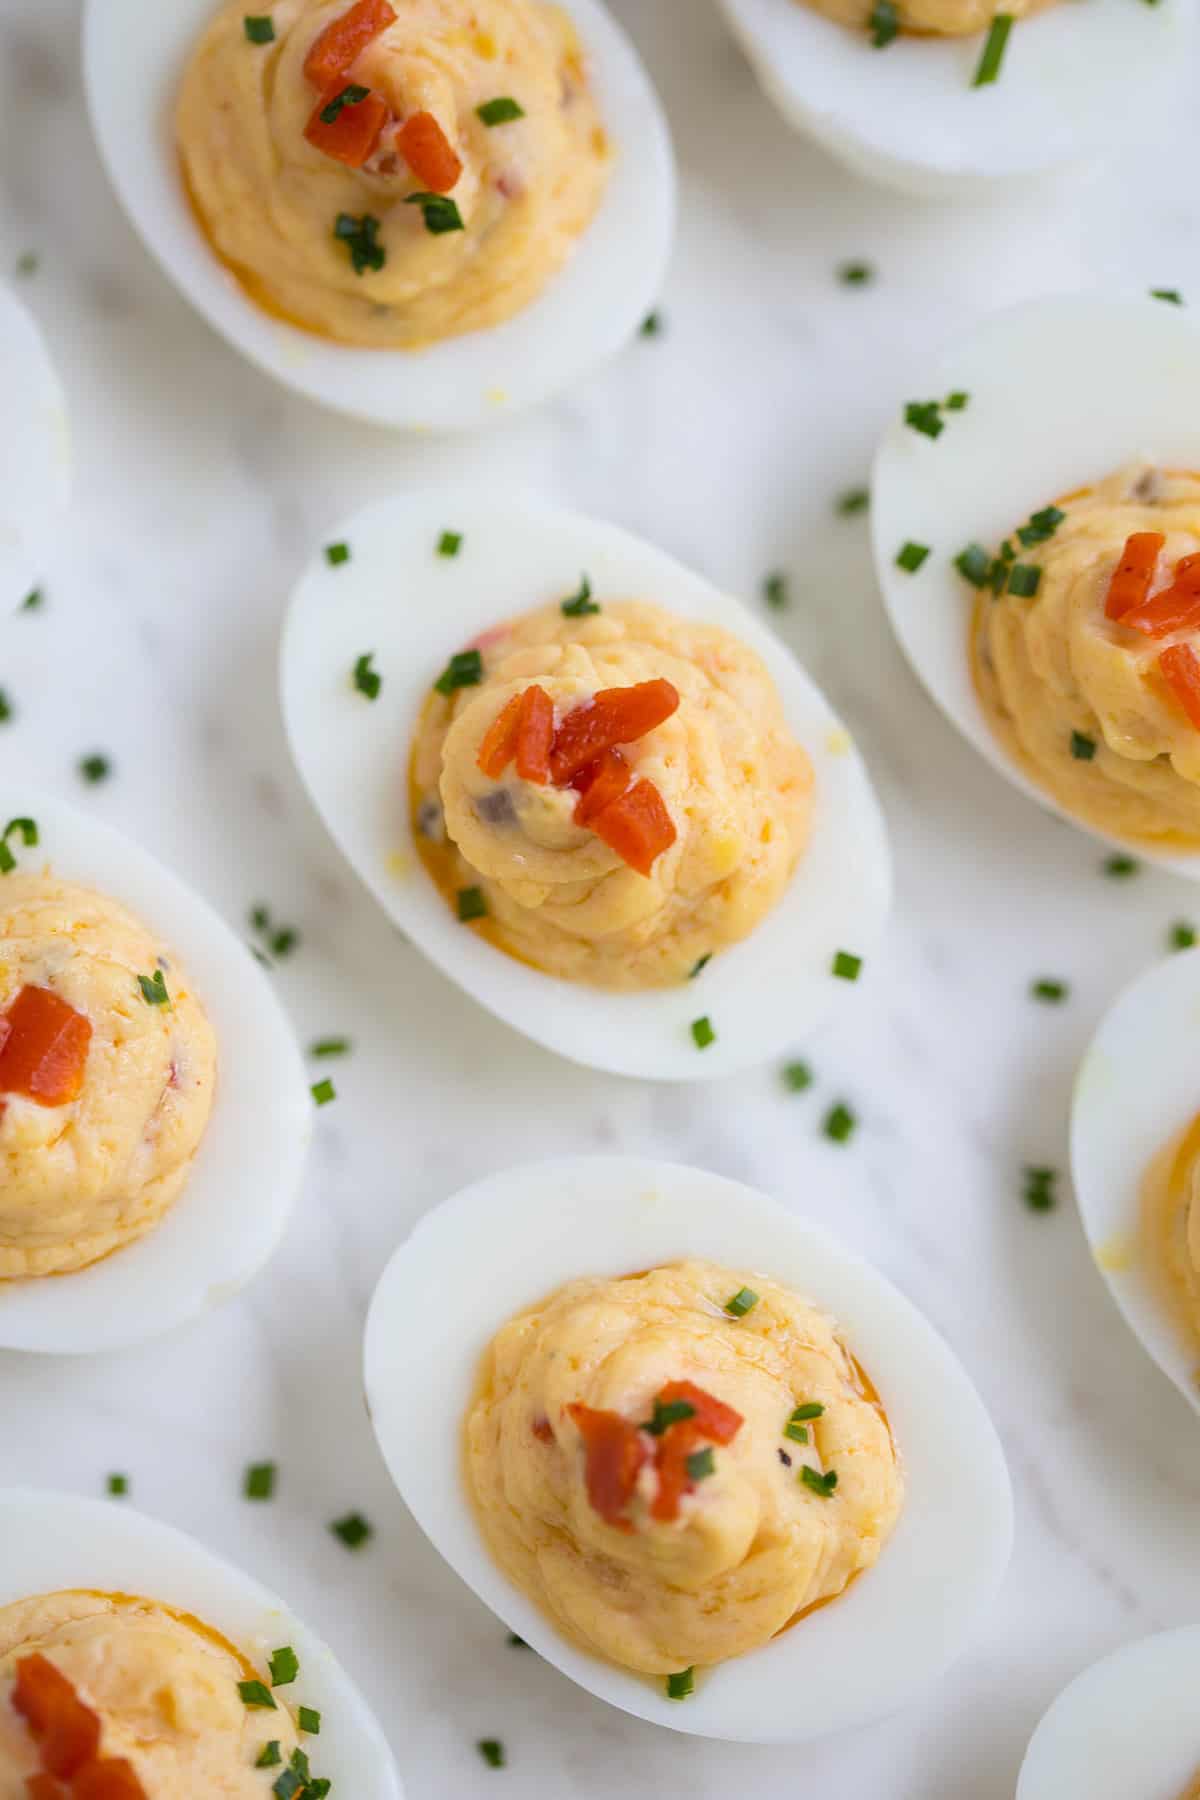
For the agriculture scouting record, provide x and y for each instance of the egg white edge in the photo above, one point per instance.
(35, 457)
(231, 1216)
(52, 1541)
(534, 1227)
(915, 495)
(133, 61)
(353, 756)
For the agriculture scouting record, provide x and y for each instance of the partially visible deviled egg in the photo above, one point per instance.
(687, 1447)
(135, 1665)
(672, 867)
(154, 1114)
(950, 97)
(425, 215)
(1036, 522)
(1135, 1160)
(1126, 1726)
(34, 452)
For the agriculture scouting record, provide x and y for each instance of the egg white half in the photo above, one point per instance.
(531, 1229)
(1062, 392)
(1127, 1726)
(35, 460)
(134, 56)
(1137, 1088)
(50, 1542)
(413, 608)
(232, 1213)
(1073, 79)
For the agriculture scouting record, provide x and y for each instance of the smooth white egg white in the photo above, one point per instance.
(134, 57)
(1074, 80)
(230, 1217)
(531, 1229)
(413, 608)
(1062, 393)
(1137, 1090)
(1126, 1726)
(35, 458)
(50, 1542)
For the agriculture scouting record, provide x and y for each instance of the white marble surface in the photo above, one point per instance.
(199, 490)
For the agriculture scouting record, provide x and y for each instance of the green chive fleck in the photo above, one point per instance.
(27, 831)
(492, 1752)
(701, 963)
(335, 1046)
(739, 1304)
(700, 1464)
(1171, 295)
(667, 1413)
(652, 325)
(581, 603)
(856, 274)
(95, 769)
(501, 111)
(993, 50)
(118, 1486)
(361, 238)
(1024, 580)
(351, 95)
(1038, 1192)
(1182, 936)
(797, 1433)
(269, 1756)
(259, 28)
(775, 589)
(846, 966)
(974, 565)
(337, 553)
(910, 556)
(1083, 748)
(284, 1666)
(854, 500)
(6, 708)
(290, 1785)
(439, 212)
(259, 1482)
(353, 1530)
(1052, 993)
(883, 24)
(309, 1720)
(33, 600)
(957, 401)
(797, 1076)
(256, 1693)
(154, 989)
(811, 1409)
(323, 1092)
(465, 669)
(1042, 525)
(27, 263)
(925, 416)
(515, 1642)
(367, 680)
(702, 1033)
(820, 1484)
(680, 1685)
(1119, 866)
(840, 1124)
(450, 543)
(471, 904)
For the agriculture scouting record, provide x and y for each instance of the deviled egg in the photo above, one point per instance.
(949, 97)
(596, 792)
(423, 215)
(135, 1665)
(154, 1114)
(1036, 519)
(1135, 1160)
(687, 1447)
(34, 454)
(1125, 1726)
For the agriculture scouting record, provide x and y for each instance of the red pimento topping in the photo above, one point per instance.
(111, 1779)
(1176, 608)
(67, 1733)
(499, 744)
(1181, 671)
(1134, 573)
(615, 716)
(429, 153)
(712, 1418)
(599, 785)
(340, 45)
(615, 1453)
(535, 735)
(351, 135)
(637, 826)
(44, 1787)
(44, 1050)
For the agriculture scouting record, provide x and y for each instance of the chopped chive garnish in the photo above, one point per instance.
(350, 95)
(323, 1092)
(884, 23)
(27, 831)
(361, 238)
(701, 963)
(702, 1033)
(700, 1464)
(993, 50)
(581, 602)
(353, 1530)
(465, 669)
(1051, 991)
(1171, 295)
(1042, 525)
(471, 904)
(651, 325)
(338, 1046)
(256, 1693)
(95, 769)
(925, 416)
(1119, 866)
(318, 1788)
(450, 543)
(1182, 936)
(515, 1642)
(797, 1433)
(366, 679)
(154, 989)
(739, 1304)
(681, 1684)
(118, 1486)
(846, 966)
(337, 553)
(910, 556)
(840, 1124)
(501, 111)
(775, 589)
(270, 1755)
(289, 1786)
(259, 28)
(259, 1483)
(974, 565)
(492, 1752)
(854, 500)
(439, 212)
(1083, 748)
(797, 1076)
(309, 1720)
(6, 709)
(856, 274)
(26, 263)
(1024, 580)
(33, 600)
(667, 1413)
(820, 1484)
(1038, 1192)
(284, 1666)
(811, 1409)
(957, 401)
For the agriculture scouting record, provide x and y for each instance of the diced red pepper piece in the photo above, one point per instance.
(1187, 572)
(40, 1692)
(343, 41)
(616, 716)
(1176, 608)
(1181, 671)
(44, 1787)
(615, 1453)
(67, 1731)
(1134, 573)
(535, 735)
(599, 785)
(353, 133)
(46, 1049)
(499, 744)
(429, 153)
(670, 1461)
(112, 1778)
(637, 826)
(712, 1418)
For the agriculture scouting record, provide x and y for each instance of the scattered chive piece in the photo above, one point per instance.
(1052, 992)
(27, 831)
(330, 1047)
(366, 679)
(820, 1484)
(668, 1413)
(797, 1433)
(256, 1693)
(350, 95)
(361, 238)
(439, 212)
(450, 543)
(1042, 525)
(465, 669)
(797, 1076)
(1182, 935)
(1038, 1194)
(775, 589)
(974, 565)
(701, 963)
(269, 1755)
(925, 416)
(515, 1642)
(846, 966)
(284, 941)
(318, 1788)
(501, 111)
(957, 401)
(323, 1092)
(259, 28)
(353, 1530)
(700, 1464)
(1171, 295)
(1118, 866)
(284, 1666)
(95, 768)
(1083, 748)
(26, 263)
(681, 1684)
(33, 600)
(811, 1409)
(471, 904)
(118, 1486)
(856, 274)
(492, 1752)
(702, 1033)
(1024, 580)
(288, 1786)
(337, 553)
(883, 24)
(910, 556)
(309, 1720)
(854, 500)
(6, 710)
(259, 1483)
(739, 1304)
(993, 50)
(840, 1123)
(580, 603)
(154, 989)
(652, 325)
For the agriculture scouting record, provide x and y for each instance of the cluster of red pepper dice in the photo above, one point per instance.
(1173, 608)
(616, 1449)
(67, 1734)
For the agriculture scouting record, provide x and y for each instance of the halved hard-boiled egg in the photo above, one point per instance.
(154, 1113)
(707, 1463)
(34, 454)
(594, 790)
(948, 97)
(133, 1663)
(1036, 524)
(427, 216)
(1125, 1726)
(1135, 1160)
